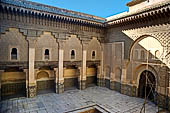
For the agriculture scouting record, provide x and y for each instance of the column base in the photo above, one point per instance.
(101, 82)
(82, 84)
(162, 101)
(59, 88)
(114, 85)
(32, 91)
(128, 89)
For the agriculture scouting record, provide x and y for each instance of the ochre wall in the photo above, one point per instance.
(70, 73)
(91, 72)
(13, 76)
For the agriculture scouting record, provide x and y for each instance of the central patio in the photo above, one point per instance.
(75, 101)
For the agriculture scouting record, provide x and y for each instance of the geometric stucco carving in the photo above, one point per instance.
(161, 33)
(31, 33)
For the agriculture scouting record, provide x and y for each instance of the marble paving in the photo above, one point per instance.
(112, 101)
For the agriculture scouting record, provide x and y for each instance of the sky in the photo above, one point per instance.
(101, 8)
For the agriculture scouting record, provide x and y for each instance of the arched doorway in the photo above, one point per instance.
(45, 83)
(91, 76)
(147, 85)
(13, 83)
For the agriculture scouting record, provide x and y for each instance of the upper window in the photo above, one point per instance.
(157, 54)
(14, 54)
(47, 54)
(136, 54)
(72, 54)
(93, 54)
(142, 54)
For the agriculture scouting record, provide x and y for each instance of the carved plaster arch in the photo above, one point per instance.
(138, 39)
(44, 73)
(141, 68)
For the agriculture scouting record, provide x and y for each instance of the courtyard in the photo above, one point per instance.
(109, 100)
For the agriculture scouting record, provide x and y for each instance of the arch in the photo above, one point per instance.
(135, 55)
(157, 54)
(138, 40)
(94, 45)
(42, 74)
(47, 54)
(46, 45)
(142, 68)
(147, 85)
(118, 73)
(8, 41)
(14, 54)
(93, 54)
(73, 54)
(107, 71)
(142, 54)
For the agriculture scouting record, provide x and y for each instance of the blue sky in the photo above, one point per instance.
(102, 8)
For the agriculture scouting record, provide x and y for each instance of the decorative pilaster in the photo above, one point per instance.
(1, 71)
(60, 83)
(31, 71)
(81, 82)
(27, 82)
(56, 79)
(101, 79)
(83, 74)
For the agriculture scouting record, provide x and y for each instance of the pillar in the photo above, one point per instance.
(101, 79)
(83, 70)
(1, 71)
(27, 81)
(31, 71)
(60, 82)
(56, 79)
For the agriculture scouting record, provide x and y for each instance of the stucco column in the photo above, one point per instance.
(123, 76)
(1, 71)
(27, 81)
(31, 71)
(56, 79)
(101, 79)
(83, 74)
(60, 83)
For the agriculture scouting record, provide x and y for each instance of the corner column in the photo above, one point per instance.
(31, 72)
(1, 71)
(60, 80)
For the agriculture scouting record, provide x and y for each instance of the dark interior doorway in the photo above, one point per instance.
(149, 85)
(92, 76)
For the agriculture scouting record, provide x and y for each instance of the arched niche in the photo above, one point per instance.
(42, 75)
(13, 39)
(94, 45)
(72, 44)
(118, 73)
(144, 44)
(44, 42)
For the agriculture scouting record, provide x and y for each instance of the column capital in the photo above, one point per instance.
(61, 43)
(31, 41)
(85, 45)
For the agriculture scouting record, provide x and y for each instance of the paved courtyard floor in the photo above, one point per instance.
(112, 101)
